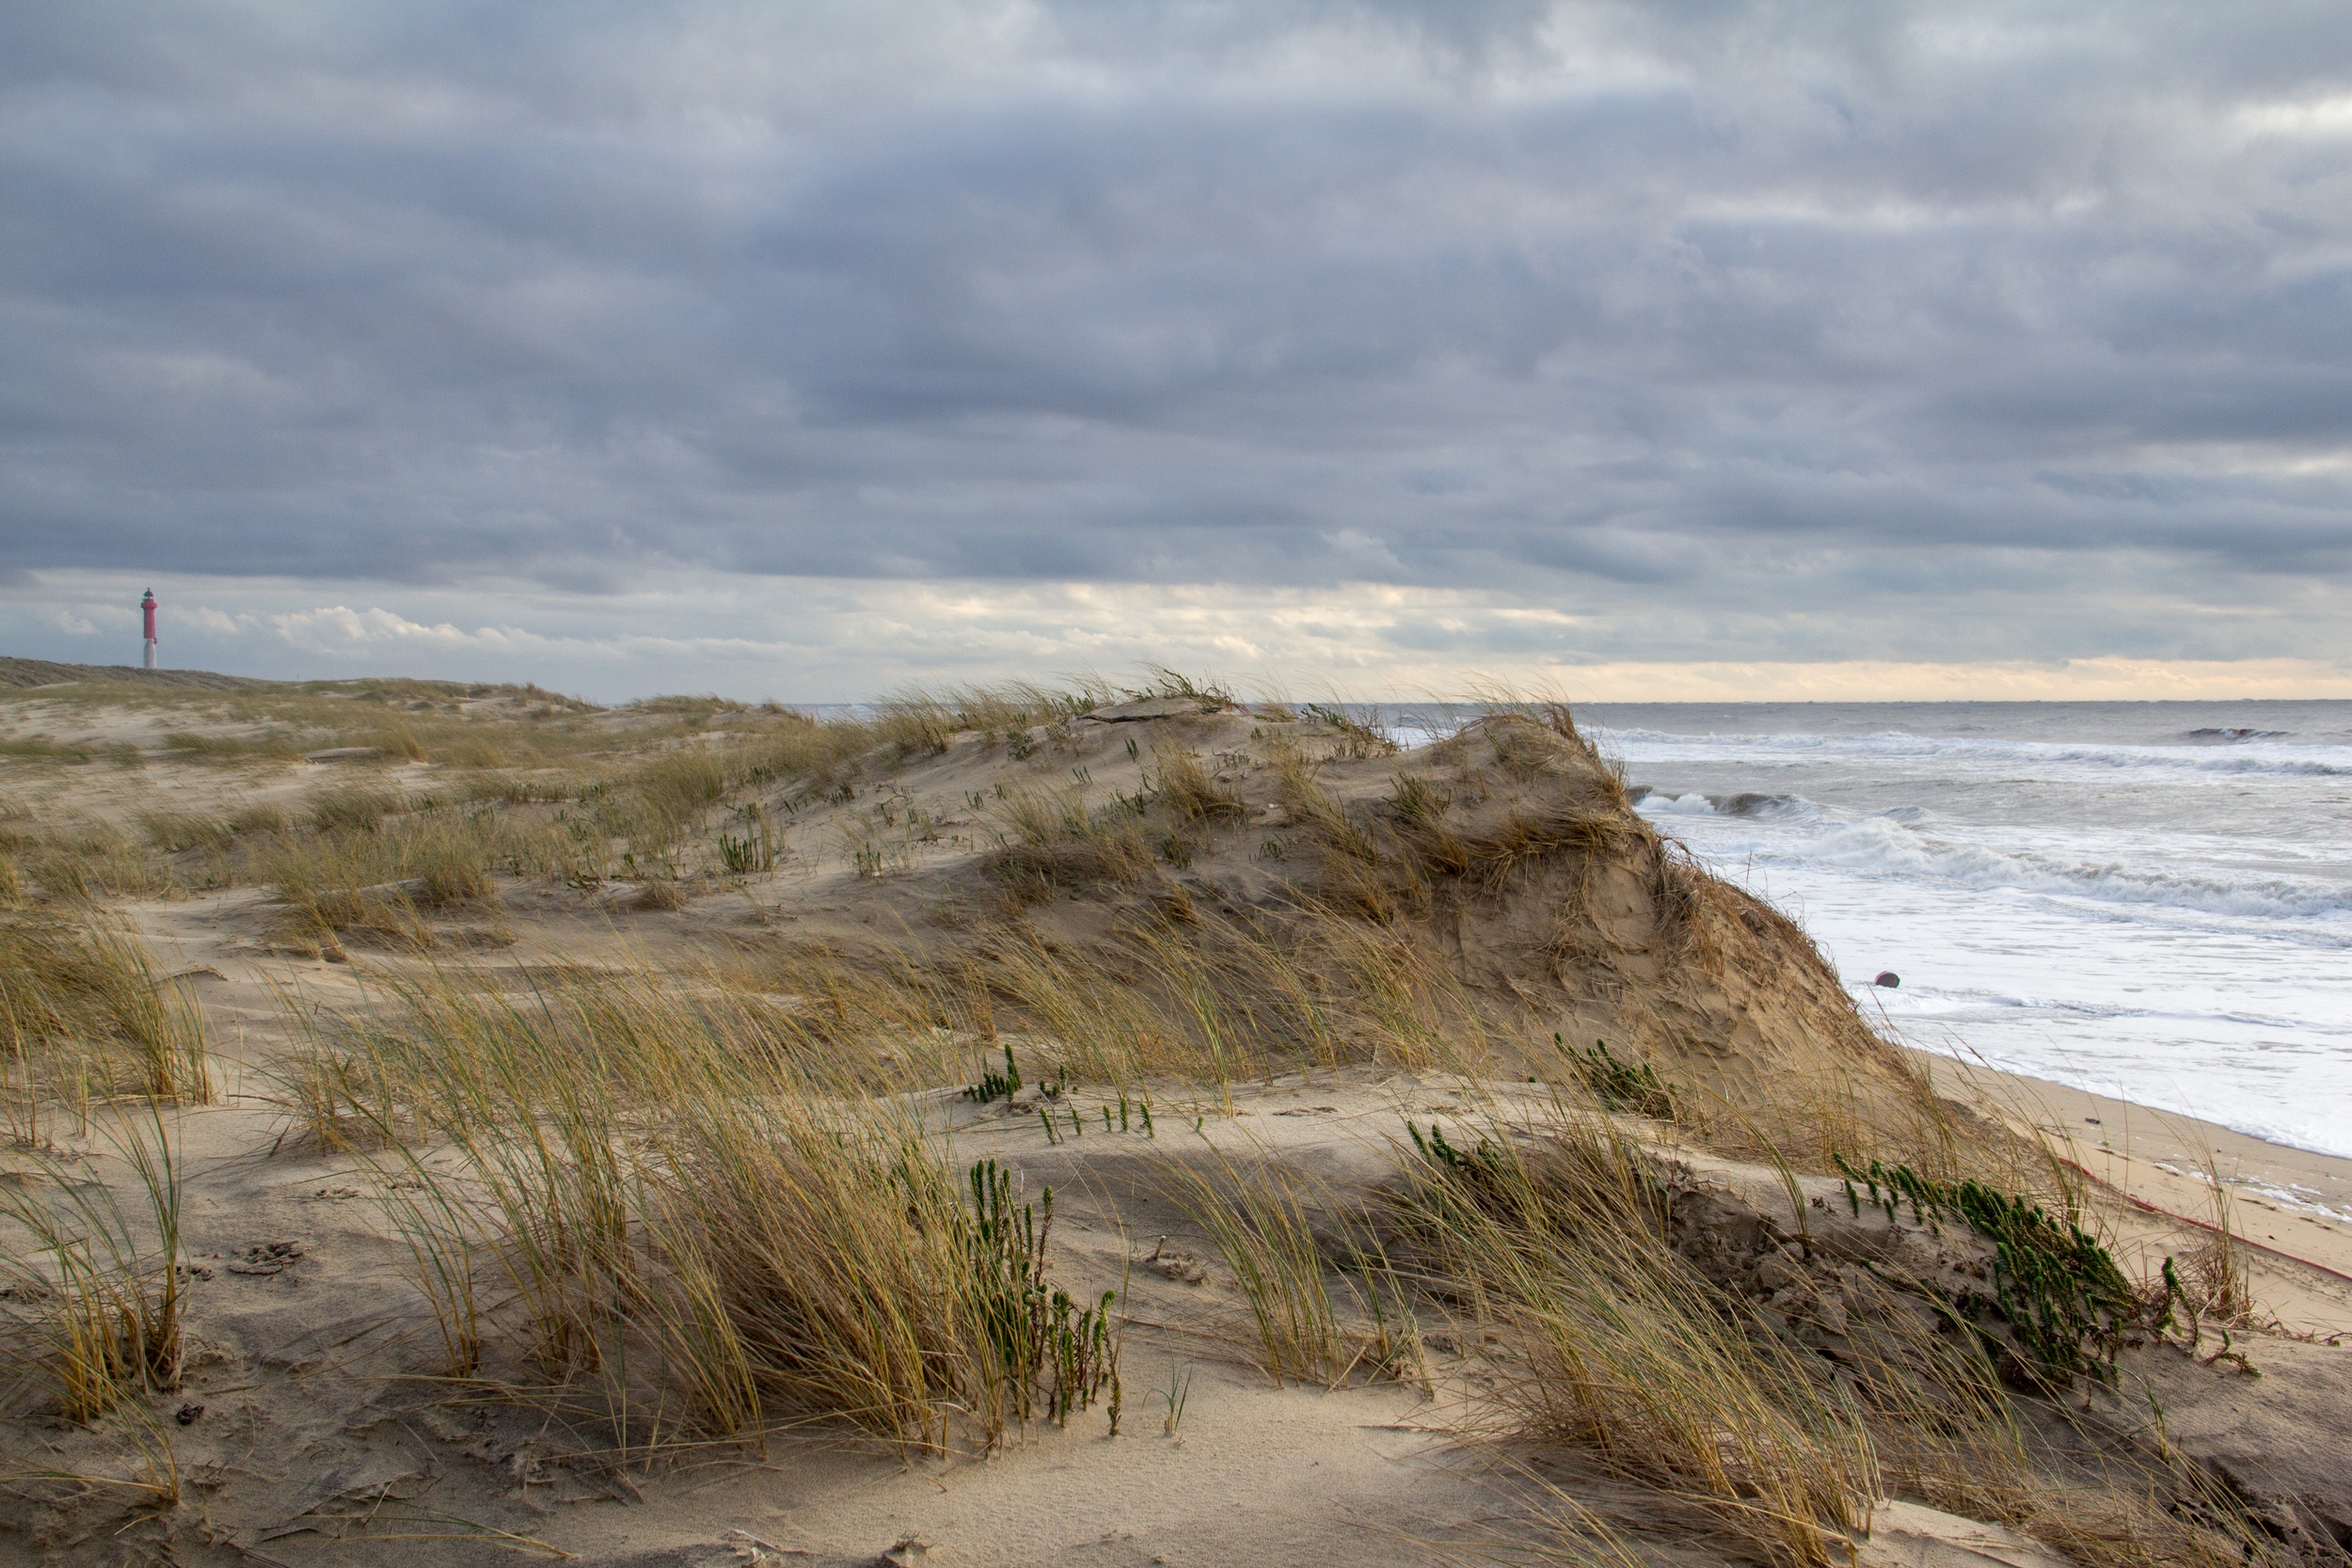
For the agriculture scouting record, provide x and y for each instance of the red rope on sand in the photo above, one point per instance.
(2145, 1207)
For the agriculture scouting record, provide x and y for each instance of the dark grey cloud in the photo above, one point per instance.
(1738, 306)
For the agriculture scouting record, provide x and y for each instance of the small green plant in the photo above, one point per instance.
(1178, 1394)
(744, 856)
(1437, 1150)
(1621, 1085)
(754, 853)
(1085, 1356)
(994, 1085)
(2056, 1286)
(1043, 1340)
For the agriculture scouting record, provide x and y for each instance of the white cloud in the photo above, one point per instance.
(2318, 117)
(832, 640)
(338, 629)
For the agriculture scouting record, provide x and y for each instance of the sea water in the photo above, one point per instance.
(2150, 900)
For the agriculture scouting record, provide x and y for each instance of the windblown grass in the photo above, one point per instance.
(700, 1224)
(1619, 1348)
(1552, 1241)
(382, 881)
(100, 1286)
(1053, 840)
(1324, 1302)
(84, 1011)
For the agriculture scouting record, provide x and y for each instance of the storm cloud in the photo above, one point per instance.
(1873, 331)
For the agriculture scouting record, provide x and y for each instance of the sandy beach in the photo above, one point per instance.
(2290, 1202)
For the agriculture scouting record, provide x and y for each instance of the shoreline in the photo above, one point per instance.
(2295, 1206)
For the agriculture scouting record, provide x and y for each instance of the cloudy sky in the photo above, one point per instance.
(801, 350)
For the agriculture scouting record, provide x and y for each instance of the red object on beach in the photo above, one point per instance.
(148, 605)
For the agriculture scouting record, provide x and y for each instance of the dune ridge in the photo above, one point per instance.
(625, 1134)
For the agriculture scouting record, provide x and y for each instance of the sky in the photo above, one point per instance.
(1380, 349)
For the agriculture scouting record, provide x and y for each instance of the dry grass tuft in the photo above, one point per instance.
(1052, 840)
(101, 1287)
(356, 808)
(678, 1199)
(1324, 1304)
(84, 1010)
(1563, 1242)
(1616, 1346)
(1180, 781)
(173, 831)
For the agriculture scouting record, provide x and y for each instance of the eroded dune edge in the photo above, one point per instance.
(451, 1124)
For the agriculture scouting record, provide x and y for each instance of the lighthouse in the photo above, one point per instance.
(147, 607)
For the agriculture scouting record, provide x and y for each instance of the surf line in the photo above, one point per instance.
(2147, 1207)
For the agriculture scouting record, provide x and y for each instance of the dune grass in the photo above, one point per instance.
(1559, 1250)
(703, 1230)
(84, 1013)
(1550, 1238)
(99, 1283)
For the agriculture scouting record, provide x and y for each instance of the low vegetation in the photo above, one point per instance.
(85, 1016)
(688, 1215)
(681, 1202)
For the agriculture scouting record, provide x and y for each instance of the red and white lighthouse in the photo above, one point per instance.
(147, 606)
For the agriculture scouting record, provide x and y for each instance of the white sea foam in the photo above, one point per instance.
(1883, 846)
(2312, 761)
(2100, 894)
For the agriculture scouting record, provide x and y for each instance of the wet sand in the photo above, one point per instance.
(2294, 1207)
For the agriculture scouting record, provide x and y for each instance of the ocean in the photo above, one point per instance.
(2150, 900)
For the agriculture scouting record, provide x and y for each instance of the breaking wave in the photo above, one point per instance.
(1745, 804)
(2254, 753)
(1881, 846)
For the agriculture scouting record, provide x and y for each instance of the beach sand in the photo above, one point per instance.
(2293, 1207)
(311, 1425)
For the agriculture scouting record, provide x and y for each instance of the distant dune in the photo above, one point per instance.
(40, 672)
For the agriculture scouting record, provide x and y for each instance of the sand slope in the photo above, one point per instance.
(307, 1431)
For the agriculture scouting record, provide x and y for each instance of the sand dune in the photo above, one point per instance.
(1471, 1175)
